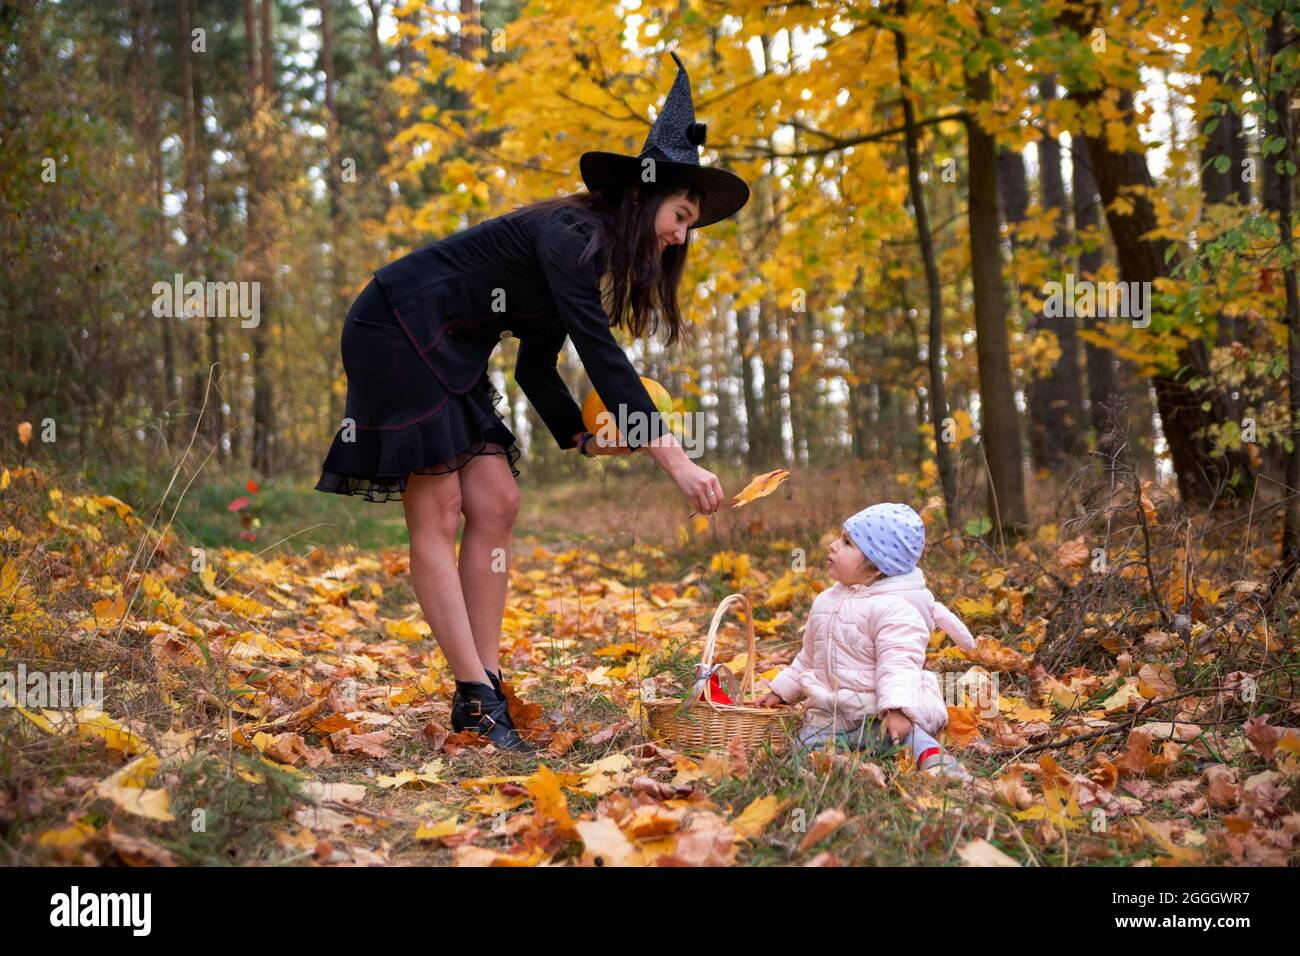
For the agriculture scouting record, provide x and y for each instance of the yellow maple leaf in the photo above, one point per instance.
(1057, 809)
(490, 804)
(118, 737)
(407, 630)
(137, 773)
(150, 804)
(438, 830)
(243, 606)
(753, 820)
(548, 799)
(64, 842)
(760, 487)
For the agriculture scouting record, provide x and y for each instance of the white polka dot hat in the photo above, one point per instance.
(891, 535)
(674, 143)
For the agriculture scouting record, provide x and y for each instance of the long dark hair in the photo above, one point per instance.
(641, 292)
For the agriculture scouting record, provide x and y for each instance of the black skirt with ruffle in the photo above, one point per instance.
(403, 420)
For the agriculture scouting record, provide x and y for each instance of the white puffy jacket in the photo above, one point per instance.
(864, 653)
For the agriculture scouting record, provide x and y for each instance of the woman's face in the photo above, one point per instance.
(676, 214)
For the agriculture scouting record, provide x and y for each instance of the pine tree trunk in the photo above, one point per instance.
(191, 216)
(218, 418)
(339, 278)
(1204, 473)
(1000, 425)
(1058, 396)
(1105, 410)
(1277, 41)
(938, 393)
(261, 83)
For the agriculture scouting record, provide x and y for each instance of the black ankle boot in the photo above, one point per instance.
(478, 707)
(496, 686)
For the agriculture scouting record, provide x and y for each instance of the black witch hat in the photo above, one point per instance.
(674, 144)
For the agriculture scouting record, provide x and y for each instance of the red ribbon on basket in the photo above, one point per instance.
(711, 685)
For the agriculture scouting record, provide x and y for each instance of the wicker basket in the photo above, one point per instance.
(704, 725)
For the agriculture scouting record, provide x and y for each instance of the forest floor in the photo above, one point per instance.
(1131, 700)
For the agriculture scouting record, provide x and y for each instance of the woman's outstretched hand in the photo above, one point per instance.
(700, 486)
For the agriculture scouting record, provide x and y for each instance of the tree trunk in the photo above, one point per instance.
(1013, 189)
(1109, 423)
(379, 58)
(1056, 399)
(938, 395)
(261, 83)
(754, 452)
(217, 414)
(1205, 474)
(1203, 471)
(1277, 41)
(151, 132)
(1000, 426)
(192, 214)
(339, 279)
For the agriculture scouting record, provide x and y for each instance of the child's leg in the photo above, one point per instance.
(870, 735)
(924, 747)
(809, 739)
(930, 756)
(812, 736)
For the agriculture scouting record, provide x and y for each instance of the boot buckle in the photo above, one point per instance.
(478, 708)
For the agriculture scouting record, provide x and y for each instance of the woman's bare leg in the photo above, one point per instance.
(432, 504)
(490, 500)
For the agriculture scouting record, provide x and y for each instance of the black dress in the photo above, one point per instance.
(417, 341)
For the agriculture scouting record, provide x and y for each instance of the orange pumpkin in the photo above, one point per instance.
(593, 406)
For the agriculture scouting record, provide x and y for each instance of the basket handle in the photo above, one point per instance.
(710, 644)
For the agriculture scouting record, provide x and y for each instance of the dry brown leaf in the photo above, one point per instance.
(1137, 755)
(1221, 786)
(371, 744)
(823, 825)
(713, 846)
(1011, 789)
(1073, 553)
(1261, 736)
(135, 850)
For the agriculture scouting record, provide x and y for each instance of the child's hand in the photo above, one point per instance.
(770, 699)
(896, 724)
